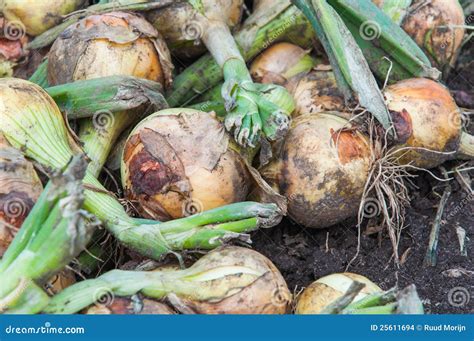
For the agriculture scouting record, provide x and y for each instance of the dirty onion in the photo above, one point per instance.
(229, 280)
(178, 162)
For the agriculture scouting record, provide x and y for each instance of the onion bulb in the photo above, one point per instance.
(183, 33)
(228, 280)
(280, 62)
(426, 119)
(328, 289)
(110, 44)
(178, 162)
(313, 90)
(322, 170)
(38, 16)
(430, 24)
(129, 306)
(20, 187)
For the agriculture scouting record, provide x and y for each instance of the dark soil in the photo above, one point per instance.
(304, 255)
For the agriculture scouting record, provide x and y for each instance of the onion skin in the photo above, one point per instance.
(425, 115)
(315, 92)
(264, 294)
(271, 65)
(126, 306)
(422, 22)
(178, 162)
(110, 44)
(326, 290)
(20, 187)
(39, 16)
(183, 33)
(323, 182)
(61, 281)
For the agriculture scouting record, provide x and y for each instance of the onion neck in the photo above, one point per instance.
(98, 141)
(466, 146)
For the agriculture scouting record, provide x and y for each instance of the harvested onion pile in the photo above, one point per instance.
(204, 105)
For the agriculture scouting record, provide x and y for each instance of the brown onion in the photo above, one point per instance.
(183, 33)
(328, 289)
(430, 23)
(178, 162)
(20, 187)
(426, 119)
(322, 170)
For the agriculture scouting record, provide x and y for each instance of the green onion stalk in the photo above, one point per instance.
(229, 280)
(55, 231)
(32, 122)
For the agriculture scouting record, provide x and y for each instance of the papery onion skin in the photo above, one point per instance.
(183, 33)
(177, 162)
(20, 187)
(322, 170)
(60, 281)
(127, 306)
(39, 15)
(326, 290)
(266, 294)
(442, 44)
(426, 116)
(91, 49)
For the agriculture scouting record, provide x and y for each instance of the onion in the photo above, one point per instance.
(425, 116)
(228, 280)
(38, 16)
(291, 66)
(430, 23)
(178, 162)
(130, 306)
(315, 92)
(20, 187)
(183, 33)
(280, 62)
(322, 170)
(108, 45)
(328, 289)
